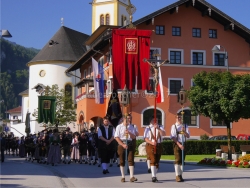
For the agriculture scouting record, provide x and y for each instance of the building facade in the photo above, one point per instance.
(184, 33)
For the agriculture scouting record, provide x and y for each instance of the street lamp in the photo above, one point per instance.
(5, 33)
(217, 48)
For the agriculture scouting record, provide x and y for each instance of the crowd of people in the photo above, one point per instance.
(103, 146)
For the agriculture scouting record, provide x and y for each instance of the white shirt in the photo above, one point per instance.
(120, 131)
(173, 133)
(147, 133)
(106, 130)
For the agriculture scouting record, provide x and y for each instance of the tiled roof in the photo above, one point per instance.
(15, 110)
(66, 45)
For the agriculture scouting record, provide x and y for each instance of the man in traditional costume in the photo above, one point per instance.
(106, 136)
(125, 134)
(178, 133)
(153, 136)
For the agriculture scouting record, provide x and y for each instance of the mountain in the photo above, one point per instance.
(14, 74)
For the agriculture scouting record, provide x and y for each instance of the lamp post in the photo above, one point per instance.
(217, 48)
(182, 99)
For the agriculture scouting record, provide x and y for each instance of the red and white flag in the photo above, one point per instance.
(160, 94)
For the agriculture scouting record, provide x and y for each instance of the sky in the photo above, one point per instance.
(32, 23)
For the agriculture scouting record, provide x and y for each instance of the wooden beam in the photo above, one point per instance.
(204, 13)
(148, 21)
(172, 10)
(188, 3)
(226, 27)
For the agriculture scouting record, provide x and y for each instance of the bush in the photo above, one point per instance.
(204, 137)
(198, 147)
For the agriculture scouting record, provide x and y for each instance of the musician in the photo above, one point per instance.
(21, 147)
(125, 134)
(106, 136)
(153, 136)
(176, 129)
(83, 144)
(92, 145)
(66, 144)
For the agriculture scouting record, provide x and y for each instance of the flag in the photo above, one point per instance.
(98, 79)
(114, 112)
(129, 48)
(46, 109)
(160, 94)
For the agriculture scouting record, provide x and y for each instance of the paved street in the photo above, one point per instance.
(16, 172)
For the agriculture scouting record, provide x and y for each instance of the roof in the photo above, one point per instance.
(202, 6)
(25, 92)
(66, 45)
(98, 43)
(15, 110)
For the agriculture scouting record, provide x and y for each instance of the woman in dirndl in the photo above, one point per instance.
(75, 154)
(54, 156)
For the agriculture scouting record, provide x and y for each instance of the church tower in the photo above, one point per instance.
(109, 12)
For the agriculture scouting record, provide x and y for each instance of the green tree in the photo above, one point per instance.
(221, 96)
(65, 110)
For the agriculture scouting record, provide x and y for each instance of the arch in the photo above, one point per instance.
(150, 110)
(68, 87)
(81, 120)
(97, 120)
(102, 19)
(107, 19)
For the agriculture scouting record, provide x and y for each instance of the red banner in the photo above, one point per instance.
(129, 48)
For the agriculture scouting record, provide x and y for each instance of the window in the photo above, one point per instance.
(122, 21)
(107, 19)
(147, 115)
(68, 92)
(85, 73)
(101, 20)
(219, 59)
(90, 71)
(197, 32)
(197, 58)
(214, 124)
(175, 57)
(176, 31)
(189, 119)
(151, 86)
(212, 33)
(174, 85)
(160, 30)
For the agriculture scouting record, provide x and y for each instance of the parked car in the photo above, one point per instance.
(243, 137)
(222, 137)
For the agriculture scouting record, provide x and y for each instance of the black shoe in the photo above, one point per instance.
(107, 171)
(118, 165)
(81, 162)
(94, 163)
(99, 165)
(52, 164)
(104, 172)
(154, 179)
(110, 165)
(85, 162)
(69, 162)
(149, 170)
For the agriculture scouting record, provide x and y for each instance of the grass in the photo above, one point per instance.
(190, 158)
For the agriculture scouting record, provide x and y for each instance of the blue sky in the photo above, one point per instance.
(33, 22)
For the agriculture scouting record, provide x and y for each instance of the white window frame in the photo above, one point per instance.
(182, 55)
(182, 83)
(225, 61)
(152, 107)
(219, 127)
(199, 51)
(197, 118)
(109, 86)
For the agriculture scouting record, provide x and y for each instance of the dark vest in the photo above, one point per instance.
(108, 137)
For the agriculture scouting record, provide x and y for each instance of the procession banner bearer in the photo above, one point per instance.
(177, 146)
(120, 136)
(154, 140)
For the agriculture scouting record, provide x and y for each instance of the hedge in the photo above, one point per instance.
(199, 147)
